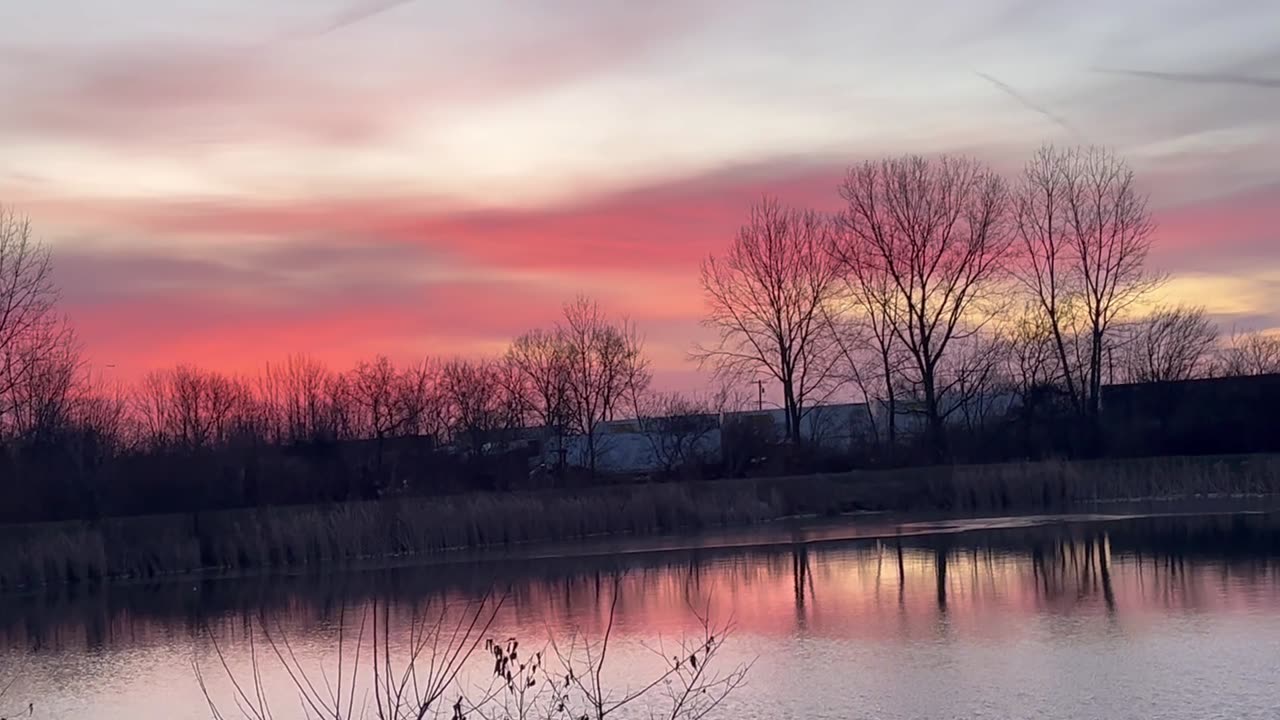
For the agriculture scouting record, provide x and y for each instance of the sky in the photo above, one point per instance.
(225, 182)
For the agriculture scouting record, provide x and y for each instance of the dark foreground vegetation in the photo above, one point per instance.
(293, 537)
(564, 679)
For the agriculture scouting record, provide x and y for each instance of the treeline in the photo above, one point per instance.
(189, 438)
(953, 298)
(979, 318)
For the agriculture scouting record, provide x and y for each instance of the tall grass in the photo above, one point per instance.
(321, 536)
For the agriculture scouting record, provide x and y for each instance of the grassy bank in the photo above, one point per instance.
(318, 536)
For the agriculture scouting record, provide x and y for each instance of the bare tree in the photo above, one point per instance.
(343, 421)
(862, 333)
(1050, 274)
(27, 299)
(691, 690)
(728, 397)
(294, 395)
(607, 369)
(1249, 354)
(373, 388)
(1085, 234)
(566, 679)
(440, 642)
(477, 408)
(678, 428)
(766, 301)
(937, 231)
(39, 358)
(103, 411)
(44, 380)
(420, 402)
(515, 398)
(205, 403)
(378, 402)
(541, 359)
(153, 406)
(1172, 343)
(1032, 372)
(1031, 360)
(976, 386)
(189, 408)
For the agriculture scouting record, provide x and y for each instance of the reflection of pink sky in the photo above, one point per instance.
(1006, 624)
(856, 594)
(848, 593)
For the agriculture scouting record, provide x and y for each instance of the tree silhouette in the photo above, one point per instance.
(767, 299)
(936, 232)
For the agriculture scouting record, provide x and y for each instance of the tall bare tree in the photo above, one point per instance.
(865, 327)
(33, 339)
(767, 299)
(541, 359)
(1172, 343)
(937, 231)
(607, 369)
(1085, 233)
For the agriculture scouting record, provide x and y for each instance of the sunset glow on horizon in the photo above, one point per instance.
(225, 182)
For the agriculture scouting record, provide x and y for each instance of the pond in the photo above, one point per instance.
(1106, 615)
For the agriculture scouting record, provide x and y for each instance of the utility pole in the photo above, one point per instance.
(760, 395)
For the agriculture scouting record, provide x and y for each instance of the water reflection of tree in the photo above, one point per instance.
(801, 584)
(1073, 569)
(1157, 561)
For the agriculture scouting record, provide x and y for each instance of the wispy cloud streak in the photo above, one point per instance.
(358, 12)
(1028, 103)
(1198, 78)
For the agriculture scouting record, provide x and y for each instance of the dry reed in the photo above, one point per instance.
(318, 536)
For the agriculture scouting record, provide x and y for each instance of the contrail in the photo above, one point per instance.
(355, 13)
(1028, 103)
(1197, 78)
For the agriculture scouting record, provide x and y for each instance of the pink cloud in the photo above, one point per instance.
(1246, 221)
(350, 277)
(1224, 254)
(674, 222)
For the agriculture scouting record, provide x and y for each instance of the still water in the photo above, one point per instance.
(1174, 616)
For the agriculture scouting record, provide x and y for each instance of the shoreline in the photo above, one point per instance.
(429, 531)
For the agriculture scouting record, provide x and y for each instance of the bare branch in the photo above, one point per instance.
(925, 243)
(766, 300)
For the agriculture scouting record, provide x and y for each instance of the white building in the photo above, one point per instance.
(836, 427)
(629, 446)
